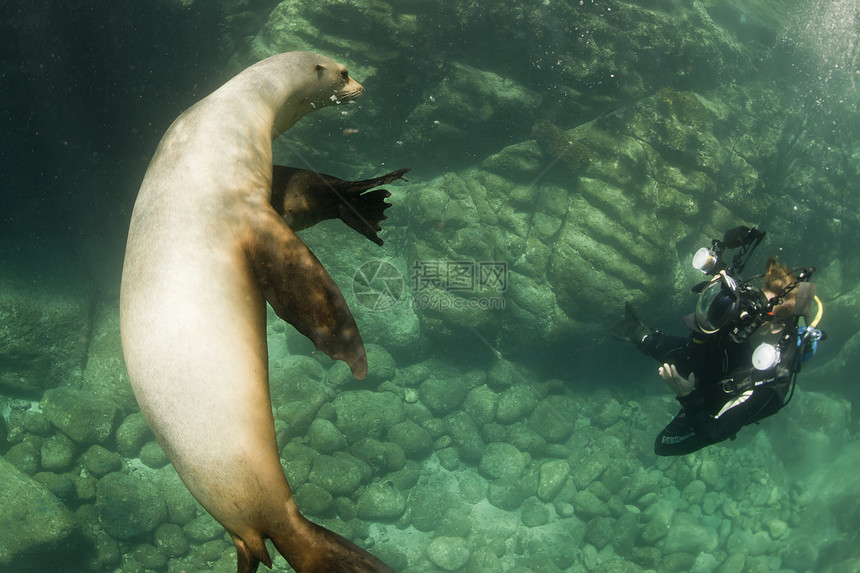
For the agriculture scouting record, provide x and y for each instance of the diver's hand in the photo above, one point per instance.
(680, 386)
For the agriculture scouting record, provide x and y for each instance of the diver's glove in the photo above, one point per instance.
(680, 386)
(631, 329)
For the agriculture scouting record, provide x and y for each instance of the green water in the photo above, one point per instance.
(566, 157)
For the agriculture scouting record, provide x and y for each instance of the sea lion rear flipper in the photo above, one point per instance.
(302, 293)
(305, 198)
(325, 551)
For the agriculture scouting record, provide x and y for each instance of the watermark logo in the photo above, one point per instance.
(436, 285)
(377, 285)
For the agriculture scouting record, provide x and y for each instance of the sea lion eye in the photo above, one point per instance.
(344, 74)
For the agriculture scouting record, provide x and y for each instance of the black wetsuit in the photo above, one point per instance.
(729, 393)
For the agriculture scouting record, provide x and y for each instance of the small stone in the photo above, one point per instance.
(60, 485)
(777, 528)
(465, 436)
(58, 452)
(515, 404)
(202, 529)
(598, 532)
(481, 403)
(607, 414)
(625, 532)
(131, 434)
(362, 413)
(412, 438)
(442, 395)
(338, 475)
(587, 505)
(694, 492)
(502, 460)
(689, 538)
(99, 461)
(83, 418)
(553, 476)
(129, 506)
(25, 456)
(534, 513)
(170, 540)
(428, 506)
(509, 494)
(153, 455)
(324, 437)
(150, 557)
(381, 501)
(448, 553)
(313, 499)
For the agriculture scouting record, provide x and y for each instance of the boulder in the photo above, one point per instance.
(32, 518)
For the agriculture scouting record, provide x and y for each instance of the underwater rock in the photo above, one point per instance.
(381, 457)
(448, 553)
(469, 100)
(380, 501)
(45, 302)
(324, 437)
(510, 493)
(293, 419)
(587, 505)
(203, 528)
(131, 434)
(170, 540)
(524, 438)
(481, 403)
(152, 455)
(556, 145)
(534, 513)
(61, 486)
(85, 419)
(105, 376)
(502, 460)
(33, 518)
(553, 475)
(554, 540)
(515, 404)
(442, 395)
(484, 559)
(129, 506)
(427, 506)
(465, 436)
(380, 364)
(339, 475)
(365, 414)
(25, 456)
(149, 557)
(412, 438)
(297, 378)
(57, 453)
(689, 538)
(313, 499)
(553, 418)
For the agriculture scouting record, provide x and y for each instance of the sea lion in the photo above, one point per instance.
(206, 249)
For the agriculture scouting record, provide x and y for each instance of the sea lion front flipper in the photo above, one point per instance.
(302, 293)
(305, 198)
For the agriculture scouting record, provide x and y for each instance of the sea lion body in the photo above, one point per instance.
(206, 249)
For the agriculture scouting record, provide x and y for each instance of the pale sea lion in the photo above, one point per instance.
(206, 250)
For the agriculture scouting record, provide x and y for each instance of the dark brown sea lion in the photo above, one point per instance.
(206, 250)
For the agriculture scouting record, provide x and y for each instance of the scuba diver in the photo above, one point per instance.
(740, 363)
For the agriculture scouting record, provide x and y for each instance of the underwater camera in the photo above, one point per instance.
(726, 303)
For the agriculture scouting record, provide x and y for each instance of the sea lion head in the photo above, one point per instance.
(314, 82)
